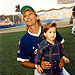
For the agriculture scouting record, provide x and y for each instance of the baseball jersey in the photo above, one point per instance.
(28, 45)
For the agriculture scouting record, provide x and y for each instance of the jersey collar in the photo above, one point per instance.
(35, 34)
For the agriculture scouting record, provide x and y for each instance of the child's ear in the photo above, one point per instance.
(45, 34)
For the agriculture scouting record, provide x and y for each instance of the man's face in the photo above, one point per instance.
(30, 18)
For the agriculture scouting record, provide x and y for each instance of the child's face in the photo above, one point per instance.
(50, 34)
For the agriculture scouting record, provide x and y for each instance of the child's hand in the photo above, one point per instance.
(66, 60)
(39, 69)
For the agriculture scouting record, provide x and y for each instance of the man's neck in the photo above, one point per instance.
(34, 29)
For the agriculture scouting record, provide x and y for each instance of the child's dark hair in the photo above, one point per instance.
(46, 27)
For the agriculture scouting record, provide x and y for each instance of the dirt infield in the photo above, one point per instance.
(59, 24)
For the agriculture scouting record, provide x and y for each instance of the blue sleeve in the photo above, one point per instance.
(23, 51)
(62, 53)
(58, 37)
(22, 54)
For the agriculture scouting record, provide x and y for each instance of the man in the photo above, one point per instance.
(29, 42)
(73, 16)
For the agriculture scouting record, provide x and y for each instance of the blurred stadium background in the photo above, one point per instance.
(57, 10)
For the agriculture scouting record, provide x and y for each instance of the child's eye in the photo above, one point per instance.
(54, 32)
(49, 32)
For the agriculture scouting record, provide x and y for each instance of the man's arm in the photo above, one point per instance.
(28, 64)
(47, 65)
(62, 45)
(61, 64)
(24, 62)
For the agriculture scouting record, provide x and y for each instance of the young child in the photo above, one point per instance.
(51, 50)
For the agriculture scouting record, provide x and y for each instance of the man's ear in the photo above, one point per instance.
(44, 34)
(37, 17)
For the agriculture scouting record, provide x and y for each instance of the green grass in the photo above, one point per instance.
(8, 52)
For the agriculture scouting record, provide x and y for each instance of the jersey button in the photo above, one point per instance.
(54, 53)
(55, 61)
(55, 67)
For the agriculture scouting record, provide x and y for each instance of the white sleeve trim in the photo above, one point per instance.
(36, 66)
(62, 41)
(19, 42)
(22, 60)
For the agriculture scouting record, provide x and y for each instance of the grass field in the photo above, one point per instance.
(8, 52)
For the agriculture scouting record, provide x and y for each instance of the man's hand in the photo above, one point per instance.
(45, 64)
(39, 69)
(61, 64)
